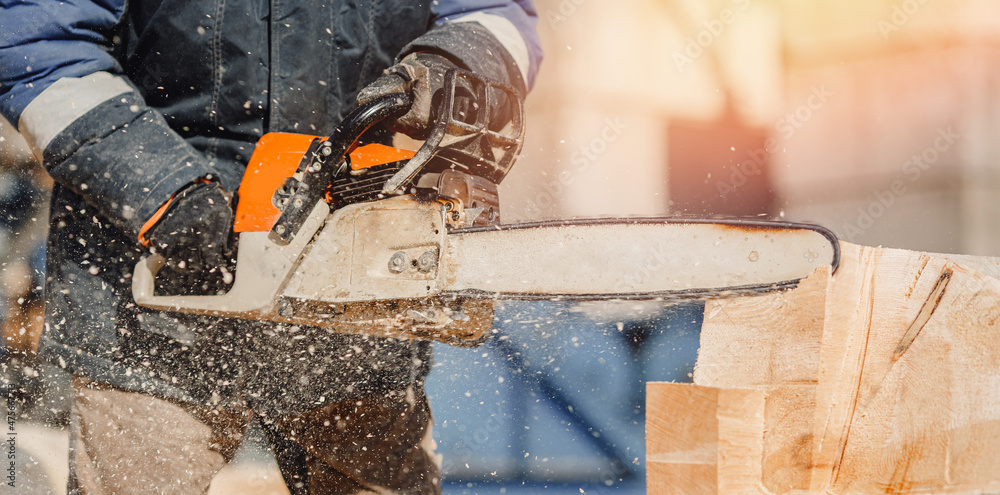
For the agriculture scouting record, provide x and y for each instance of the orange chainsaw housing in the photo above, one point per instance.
(276, 157)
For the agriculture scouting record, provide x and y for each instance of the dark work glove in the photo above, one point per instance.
(195, 235)
(422, 76)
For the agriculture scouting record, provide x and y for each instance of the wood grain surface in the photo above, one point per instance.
(882, 378)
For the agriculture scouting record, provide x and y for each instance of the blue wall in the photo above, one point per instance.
(555, 399)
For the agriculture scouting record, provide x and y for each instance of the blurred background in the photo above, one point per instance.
(874, 118)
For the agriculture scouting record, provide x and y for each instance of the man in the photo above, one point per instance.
(145, 113)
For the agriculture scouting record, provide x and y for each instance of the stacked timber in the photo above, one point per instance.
(881, 378)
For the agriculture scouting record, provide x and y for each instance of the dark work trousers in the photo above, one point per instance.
(131, 443)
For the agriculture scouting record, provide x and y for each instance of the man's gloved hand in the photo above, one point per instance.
(422, 76)
(195, 233)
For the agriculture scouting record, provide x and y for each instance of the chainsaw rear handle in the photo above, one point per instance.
(263, 264)
(259, 273)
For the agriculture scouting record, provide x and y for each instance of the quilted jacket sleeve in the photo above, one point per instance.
(481, 33)
(64, 91)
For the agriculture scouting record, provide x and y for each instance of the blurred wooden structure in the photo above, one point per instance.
(883, 378)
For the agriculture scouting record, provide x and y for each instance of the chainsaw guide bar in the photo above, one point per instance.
(406, 267)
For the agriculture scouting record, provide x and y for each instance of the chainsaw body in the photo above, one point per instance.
(379, 241)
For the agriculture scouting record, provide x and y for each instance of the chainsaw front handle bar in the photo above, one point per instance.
(326, 159)
(346, 135)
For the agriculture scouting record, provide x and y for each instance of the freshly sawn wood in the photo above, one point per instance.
(882, 378)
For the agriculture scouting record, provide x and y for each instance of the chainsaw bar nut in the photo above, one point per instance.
(398, 262)
(427, 262)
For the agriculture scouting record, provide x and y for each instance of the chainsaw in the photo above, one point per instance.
(370, 239)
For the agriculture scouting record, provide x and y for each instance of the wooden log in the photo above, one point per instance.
(772, 343)
(884, 378)
(720, 431)
(909, 395)
(765, 340)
